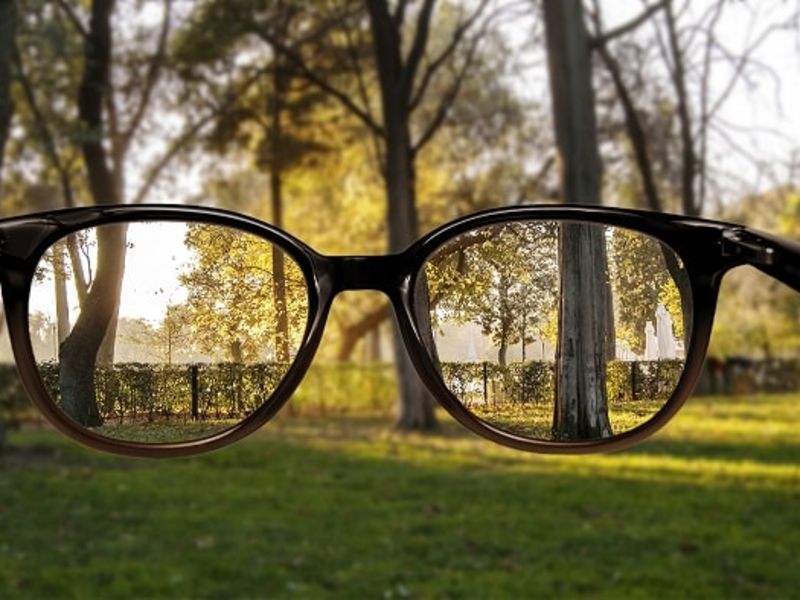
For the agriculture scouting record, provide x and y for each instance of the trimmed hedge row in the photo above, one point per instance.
(137, 391)
(476, 383)
(353, 388)
(140, 390)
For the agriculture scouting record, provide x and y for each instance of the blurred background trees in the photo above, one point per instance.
(359, 125)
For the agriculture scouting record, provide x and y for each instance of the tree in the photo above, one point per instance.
(79, 351)
(404, 79)
(107, 125)
(641, 281)
(671, 111)
(672, 72)
(503, 278)
(231, 308)
(265, 120)
(581, 403)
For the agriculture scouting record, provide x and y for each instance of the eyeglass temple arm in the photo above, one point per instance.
(775, 256)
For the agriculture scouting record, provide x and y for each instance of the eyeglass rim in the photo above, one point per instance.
(24, 239)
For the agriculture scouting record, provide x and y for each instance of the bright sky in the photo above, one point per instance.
(748, 113)
(157, 255)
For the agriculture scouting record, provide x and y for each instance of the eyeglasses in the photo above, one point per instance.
(173, 330)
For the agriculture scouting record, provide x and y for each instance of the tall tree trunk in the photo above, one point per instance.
(236, 352)
(60, 283)
(79, 352)
(81, 287)
(581, 407)
(581, 404)
(8, 23)
(279, 88)
(502, 352)
(506, 318)
(416, 405)
(108, 347)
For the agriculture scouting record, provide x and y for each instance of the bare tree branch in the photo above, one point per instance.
(448, 98)
(418, 47)
(636, 133)
(46, 135)
(73, 17)
(154, 69)
(744, 59)
(705, 115)
(629, 26)
(689, 156)
(633, 124)
(189, 134)
(364, 93)
(400, 12)
(297, 61)
(445, 55)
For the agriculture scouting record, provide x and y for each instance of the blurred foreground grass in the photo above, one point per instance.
(342, 507)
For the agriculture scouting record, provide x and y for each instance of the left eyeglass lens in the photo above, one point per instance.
(160, 332)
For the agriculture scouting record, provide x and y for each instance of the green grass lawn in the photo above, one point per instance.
(343, 508)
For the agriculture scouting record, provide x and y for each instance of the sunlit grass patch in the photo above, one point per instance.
(535, 419)
(346, 507)
(160, 430)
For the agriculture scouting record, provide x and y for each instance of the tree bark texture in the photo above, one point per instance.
(581, 408)
(584, 336)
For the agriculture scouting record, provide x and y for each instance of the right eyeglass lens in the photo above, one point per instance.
(160, 332)
(557, 330)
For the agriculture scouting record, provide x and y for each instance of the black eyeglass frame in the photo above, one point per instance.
(707, 248)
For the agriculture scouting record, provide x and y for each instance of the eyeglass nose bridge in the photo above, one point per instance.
(380, 273)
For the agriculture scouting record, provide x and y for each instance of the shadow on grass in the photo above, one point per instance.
(353, 511)
(777, 452)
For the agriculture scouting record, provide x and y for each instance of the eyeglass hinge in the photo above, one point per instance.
(740, 243)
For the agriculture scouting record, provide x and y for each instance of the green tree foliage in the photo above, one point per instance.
(230, 303)
(641, 281)
(503, 278)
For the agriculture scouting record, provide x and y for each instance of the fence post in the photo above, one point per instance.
(193, 371)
